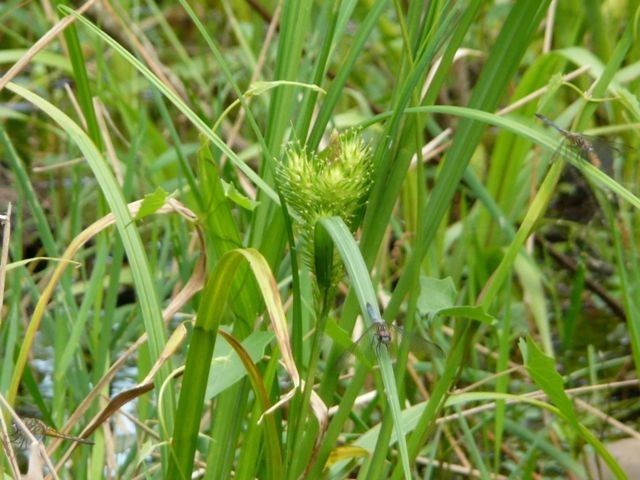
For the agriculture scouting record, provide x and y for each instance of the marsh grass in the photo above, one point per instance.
(204, 319)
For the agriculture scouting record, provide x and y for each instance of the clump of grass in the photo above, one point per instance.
(144, 94)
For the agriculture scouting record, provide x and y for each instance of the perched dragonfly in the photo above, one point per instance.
(382, 335)
(39, 429)
(382, 332)
(589, 148)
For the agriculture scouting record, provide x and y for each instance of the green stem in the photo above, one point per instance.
(300, 441)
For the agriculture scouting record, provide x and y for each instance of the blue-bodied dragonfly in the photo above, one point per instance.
(382, 335)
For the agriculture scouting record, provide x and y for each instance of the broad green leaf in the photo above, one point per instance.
(542, 371)
(436, 294)
(227, 368)
(151, 203)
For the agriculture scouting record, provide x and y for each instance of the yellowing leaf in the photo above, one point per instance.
(346, 452)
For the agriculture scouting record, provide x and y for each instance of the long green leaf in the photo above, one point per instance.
(142, 278)
(196, 374)
(361, 283)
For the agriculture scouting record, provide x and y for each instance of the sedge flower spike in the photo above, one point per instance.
(335, 182)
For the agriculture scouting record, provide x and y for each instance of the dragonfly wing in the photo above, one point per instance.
(39, 429)
(420, 347)
(364, 348)
(606, 152)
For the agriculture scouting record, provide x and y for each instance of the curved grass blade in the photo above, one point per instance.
(142, 277)
(199, 355)
(525, 130)
(361, 283)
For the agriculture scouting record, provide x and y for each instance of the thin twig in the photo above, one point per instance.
(4, 253)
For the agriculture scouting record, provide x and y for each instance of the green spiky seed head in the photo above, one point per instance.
(335, 182)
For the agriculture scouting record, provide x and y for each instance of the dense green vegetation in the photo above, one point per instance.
(209, 204)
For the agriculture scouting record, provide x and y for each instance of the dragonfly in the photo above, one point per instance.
(382, 335)
(39, 429)
(591, 149)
